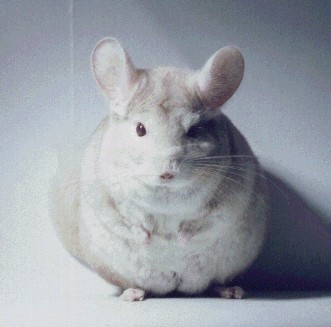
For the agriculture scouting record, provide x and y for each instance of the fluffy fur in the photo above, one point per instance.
(145, 233)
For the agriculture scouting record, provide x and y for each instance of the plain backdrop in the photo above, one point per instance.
(49, 102)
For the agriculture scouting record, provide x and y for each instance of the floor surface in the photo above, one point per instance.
(275, 310)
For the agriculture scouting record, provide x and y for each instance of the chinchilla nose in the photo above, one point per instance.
(167, 175)
(169, 166)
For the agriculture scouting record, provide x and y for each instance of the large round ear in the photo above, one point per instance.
(114, 72)
(220, 77)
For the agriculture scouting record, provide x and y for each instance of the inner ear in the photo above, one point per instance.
(220, 77)
(114, 71)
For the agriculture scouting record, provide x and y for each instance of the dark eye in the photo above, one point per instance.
(196, 131)
(202, 129)
(141, 130)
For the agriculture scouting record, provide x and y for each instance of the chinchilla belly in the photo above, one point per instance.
(169, 262)
(167, 265)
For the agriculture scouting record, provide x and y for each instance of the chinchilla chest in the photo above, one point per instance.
(162, 252)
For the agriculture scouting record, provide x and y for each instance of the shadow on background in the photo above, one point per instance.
(297, 253)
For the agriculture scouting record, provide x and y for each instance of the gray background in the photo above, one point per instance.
(283, 105)
(48, 98)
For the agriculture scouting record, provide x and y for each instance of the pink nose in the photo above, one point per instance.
(166, 176)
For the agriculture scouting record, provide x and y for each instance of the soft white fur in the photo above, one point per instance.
(115, 214)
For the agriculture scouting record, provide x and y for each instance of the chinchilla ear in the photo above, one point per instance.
(220, 77)
(114, 73)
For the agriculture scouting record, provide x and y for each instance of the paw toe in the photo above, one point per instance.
(133, 294)
(234, 292)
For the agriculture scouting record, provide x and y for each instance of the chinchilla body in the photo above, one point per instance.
(168, 195)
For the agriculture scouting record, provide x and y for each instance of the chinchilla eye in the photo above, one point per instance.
(141, 130)
(201, 130)
(196, 131)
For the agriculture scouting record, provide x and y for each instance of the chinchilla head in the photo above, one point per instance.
(164, 122)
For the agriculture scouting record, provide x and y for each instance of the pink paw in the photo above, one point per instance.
(133, 294)
(147, 239)
(234, 292)
(184, 237)
(143, 236)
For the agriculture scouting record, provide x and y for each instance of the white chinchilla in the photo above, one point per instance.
(168, 195)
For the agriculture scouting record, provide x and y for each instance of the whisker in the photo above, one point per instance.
(238, 183)
(225, 157)
(227, 169)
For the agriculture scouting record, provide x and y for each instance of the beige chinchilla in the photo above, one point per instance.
(168, 195)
